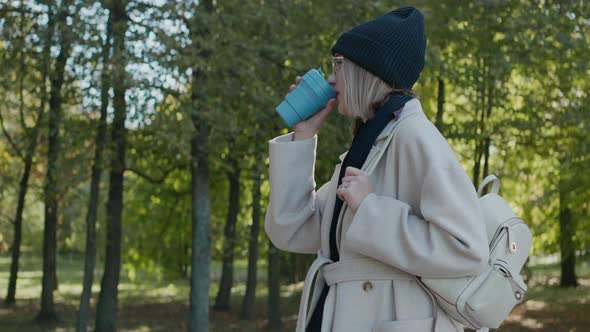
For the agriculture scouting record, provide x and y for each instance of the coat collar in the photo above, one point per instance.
(411, 107)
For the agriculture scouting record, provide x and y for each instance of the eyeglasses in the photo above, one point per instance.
(337, 63)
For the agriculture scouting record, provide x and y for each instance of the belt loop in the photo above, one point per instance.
(393, 305)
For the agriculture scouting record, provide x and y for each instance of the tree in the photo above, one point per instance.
(31, 135)
(201, 213)
(106, 310)
(247, 310)
(89, 261)
(557, 61)
(222, 301)
(570, 45)
(275, 322)
(49, 283)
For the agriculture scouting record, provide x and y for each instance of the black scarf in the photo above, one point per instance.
(357, 154)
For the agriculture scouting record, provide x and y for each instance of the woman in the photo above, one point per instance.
(399, 206)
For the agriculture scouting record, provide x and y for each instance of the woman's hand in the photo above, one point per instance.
(308, 128)
(356, 185)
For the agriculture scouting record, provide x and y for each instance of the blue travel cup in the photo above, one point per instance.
(310, 96)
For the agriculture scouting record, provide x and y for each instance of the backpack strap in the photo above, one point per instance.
(495, 184)
(432, 299)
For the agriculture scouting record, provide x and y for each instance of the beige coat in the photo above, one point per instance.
(423, 219)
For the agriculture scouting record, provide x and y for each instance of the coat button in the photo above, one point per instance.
(367, 286)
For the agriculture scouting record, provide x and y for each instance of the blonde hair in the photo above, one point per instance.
(364, 92)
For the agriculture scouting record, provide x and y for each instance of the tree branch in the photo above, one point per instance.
(6, 217)
(266, 56)
(21, 72)
(151, 178)
(10, 140)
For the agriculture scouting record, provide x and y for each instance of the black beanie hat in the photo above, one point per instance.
(391, 46)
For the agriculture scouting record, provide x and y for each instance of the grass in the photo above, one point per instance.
(148, 304)
(145, 304)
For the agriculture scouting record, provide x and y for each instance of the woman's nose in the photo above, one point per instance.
(332, 79)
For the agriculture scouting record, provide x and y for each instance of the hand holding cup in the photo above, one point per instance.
(308, 104)
(308, 128)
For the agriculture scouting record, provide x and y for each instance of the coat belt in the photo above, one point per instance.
(347, 270)
(361, 269)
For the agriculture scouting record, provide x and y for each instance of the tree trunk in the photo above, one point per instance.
(567, 231)
(486, 157)
(476, 163)
(106, 309)
(480, 126)
(201, 236)
(274, 289)
(299, 265)
(201, 210)
(247, 311)
(566, 245)
(222, 302)
(487, 133)
(49, 282)
(440, 105)
(90, 257)
(24, 185)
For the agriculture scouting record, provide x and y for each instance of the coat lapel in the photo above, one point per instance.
(411, 108)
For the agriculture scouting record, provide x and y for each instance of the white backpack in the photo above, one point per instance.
(484, 301)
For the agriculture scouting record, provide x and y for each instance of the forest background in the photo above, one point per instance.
(133, 151)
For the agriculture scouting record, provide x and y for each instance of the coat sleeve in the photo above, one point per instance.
(449, 241)
(293, 215)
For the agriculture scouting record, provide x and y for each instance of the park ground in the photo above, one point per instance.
(147, 303)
